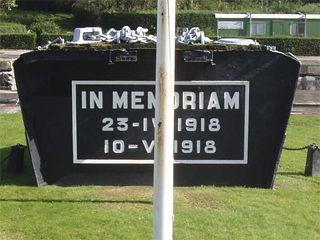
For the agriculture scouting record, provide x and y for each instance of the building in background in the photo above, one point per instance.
(251, 24)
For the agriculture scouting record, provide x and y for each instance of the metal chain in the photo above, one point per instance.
(126, 35)
(298, 149)
(5, 159)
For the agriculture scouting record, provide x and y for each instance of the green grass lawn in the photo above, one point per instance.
(290, 211)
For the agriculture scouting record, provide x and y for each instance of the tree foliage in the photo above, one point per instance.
(227, 6)
(257, 6)
(7, 5)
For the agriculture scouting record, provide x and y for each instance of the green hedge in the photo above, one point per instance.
(202, 19)
(297, 46)
(106, 20)
(12, 28)
(18, 41)
(133, 20)
(149, 20)
(85, 18)
(199, 19)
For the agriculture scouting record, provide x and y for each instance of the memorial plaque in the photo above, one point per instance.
(89, 114)
(113, 122)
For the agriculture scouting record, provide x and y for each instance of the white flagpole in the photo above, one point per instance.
(164, 129)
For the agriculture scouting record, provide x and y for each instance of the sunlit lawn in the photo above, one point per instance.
(290, 211)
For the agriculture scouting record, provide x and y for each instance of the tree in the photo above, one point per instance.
(190, 4)
(7, 5)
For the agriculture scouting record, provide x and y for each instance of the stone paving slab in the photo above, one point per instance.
(12, 54)
(307, 97)
(305, 102)
(8, 96)
(9, 108)
(309, 60)
(305, 110)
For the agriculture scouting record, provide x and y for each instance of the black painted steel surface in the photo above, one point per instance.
(45, 80)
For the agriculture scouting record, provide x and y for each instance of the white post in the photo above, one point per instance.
(305, 22)
(305, 25)
(164, 129)
(250, 23)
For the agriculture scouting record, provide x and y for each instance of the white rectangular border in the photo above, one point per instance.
(151, 161)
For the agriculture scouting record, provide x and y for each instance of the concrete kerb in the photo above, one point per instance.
(12, 54)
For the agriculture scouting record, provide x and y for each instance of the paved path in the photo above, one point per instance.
(309, 60)
(305, 102)
(11, 54)
(296, 110)
(9, 108)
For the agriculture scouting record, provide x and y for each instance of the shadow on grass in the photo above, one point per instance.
(26, 178)
(301, 175)
(291, 173)
(72, 201)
